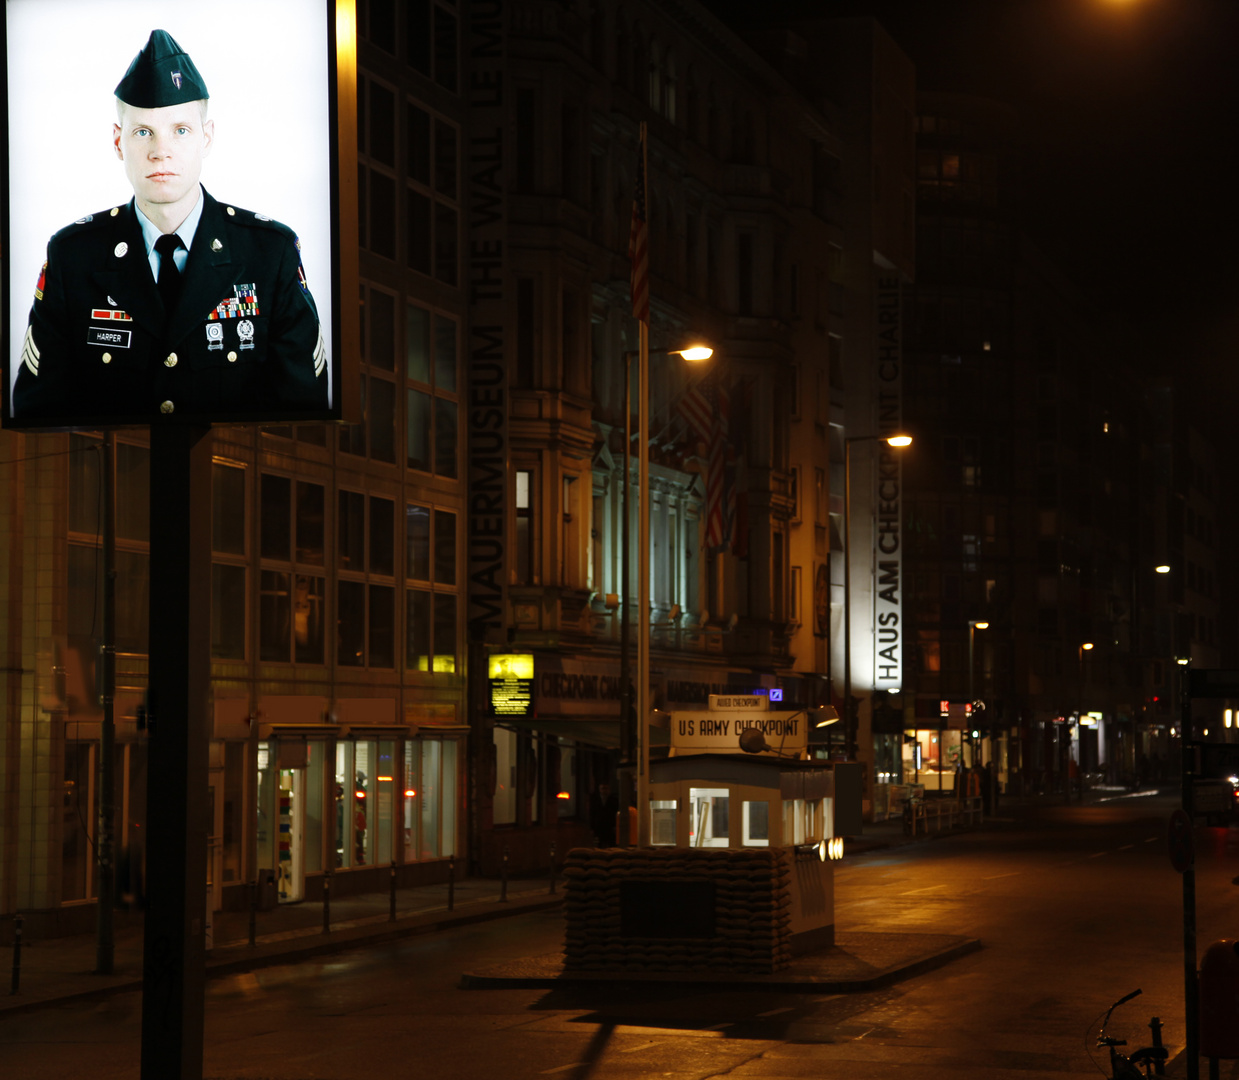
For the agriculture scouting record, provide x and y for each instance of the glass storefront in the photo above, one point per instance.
(352, 814)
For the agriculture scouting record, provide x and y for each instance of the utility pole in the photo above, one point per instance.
(105, 852)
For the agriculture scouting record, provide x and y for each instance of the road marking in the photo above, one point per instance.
(995, 877)
(1150, 839)
(1098, 854)
(719, 1027)
(929, 888)
(775, 1012)
(643, 1046)
(1127, 847)
(562, 1068)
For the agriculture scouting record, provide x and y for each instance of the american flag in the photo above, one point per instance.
(718, 512)
(639, 242)
(707, 409)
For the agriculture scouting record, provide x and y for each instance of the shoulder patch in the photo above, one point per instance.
(259, 221)
(38, 289)
(90, 222)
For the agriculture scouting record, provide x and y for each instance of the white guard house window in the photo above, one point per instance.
(708, 825)
(662, 822)
(756, 824)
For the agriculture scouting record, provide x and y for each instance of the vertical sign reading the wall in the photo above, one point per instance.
(487, 413)
(888, 495)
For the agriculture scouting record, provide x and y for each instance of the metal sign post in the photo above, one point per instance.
(174, 946)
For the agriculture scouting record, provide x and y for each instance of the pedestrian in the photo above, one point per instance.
(603, 806)
(172, 305)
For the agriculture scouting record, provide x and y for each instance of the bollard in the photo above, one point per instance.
(451, 882)
(17, 953)
(391, 913)
(327, 902)
(253, 887)
(503, 877)
(551, 890)
(1159, 1066)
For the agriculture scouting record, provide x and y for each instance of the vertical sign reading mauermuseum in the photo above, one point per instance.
(487, 413)
(888, 495)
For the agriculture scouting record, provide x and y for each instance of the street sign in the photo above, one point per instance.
(1179, 836)
(739, 702)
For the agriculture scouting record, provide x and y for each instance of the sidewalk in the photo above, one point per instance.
(57, 970)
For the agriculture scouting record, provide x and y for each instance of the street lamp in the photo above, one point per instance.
(973, 626)
(849, 715)
(694, 353)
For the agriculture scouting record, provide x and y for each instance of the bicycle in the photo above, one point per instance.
(1150, 1059)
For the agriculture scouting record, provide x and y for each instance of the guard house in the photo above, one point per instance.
(738, 776)
(743, 831)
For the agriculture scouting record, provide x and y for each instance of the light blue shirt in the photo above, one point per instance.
(151, 232)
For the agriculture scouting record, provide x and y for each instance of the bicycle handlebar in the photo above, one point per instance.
(1124, 1000)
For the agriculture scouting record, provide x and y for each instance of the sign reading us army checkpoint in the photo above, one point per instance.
(718, 728)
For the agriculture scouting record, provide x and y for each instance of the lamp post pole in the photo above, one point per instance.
(693, 354)
(643, 590)
(626, 726)
(849, 737)
(973, 626)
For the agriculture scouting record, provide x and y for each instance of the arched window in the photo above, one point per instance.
(637, 60)
(598, 35)
(621, 51)
(713, 122)
(669, 85)
(655, 77)
(692, 103)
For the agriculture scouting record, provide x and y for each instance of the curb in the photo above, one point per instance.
(294, 950)
(778, 983)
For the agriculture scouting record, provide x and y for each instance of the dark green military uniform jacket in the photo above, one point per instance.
(243, 343)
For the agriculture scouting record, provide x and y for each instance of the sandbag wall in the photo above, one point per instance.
(677, 909)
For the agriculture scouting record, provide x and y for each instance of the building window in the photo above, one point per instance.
(291, 595)
(376, 435)
(132, 480)
(432, 358)
(228, 565)
(430, 781)
(431, 589)
(432, 34)
(503, 806)
(365, 591)
(523, 572)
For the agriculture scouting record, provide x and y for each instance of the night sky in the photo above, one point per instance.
(1131, 118)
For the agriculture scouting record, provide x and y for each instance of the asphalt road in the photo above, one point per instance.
(1076, 906)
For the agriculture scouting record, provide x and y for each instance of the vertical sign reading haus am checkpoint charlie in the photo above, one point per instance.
(181, 254)
(888, 494)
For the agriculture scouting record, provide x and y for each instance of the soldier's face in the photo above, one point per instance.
(163, 150)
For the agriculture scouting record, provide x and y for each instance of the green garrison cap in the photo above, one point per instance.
(161, 74)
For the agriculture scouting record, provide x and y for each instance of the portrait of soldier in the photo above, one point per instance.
(173, 305)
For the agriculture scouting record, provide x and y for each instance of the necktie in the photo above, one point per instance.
(169, 275)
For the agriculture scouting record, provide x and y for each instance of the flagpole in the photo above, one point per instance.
(643, 564)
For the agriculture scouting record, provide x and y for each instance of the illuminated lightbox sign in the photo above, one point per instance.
(250, 330)
(716, 730)
(511, 684)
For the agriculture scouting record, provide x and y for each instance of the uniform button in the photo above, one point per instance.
(232, 358)
(231, 212)
(171, 361)
(107, 357)
(114, 211)
(166, 407)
